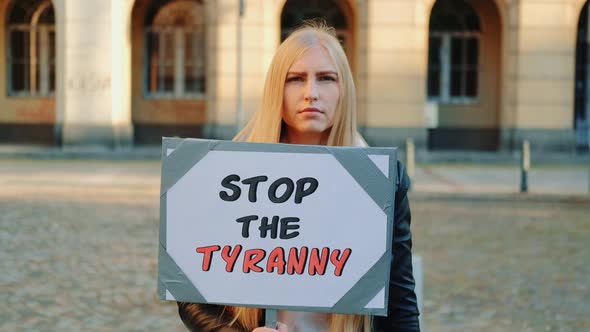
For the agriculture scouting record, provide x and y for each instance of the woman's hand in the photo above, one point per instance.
(282, 328)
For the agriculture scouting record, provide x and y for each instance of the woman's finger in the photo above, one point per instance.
(283, 328)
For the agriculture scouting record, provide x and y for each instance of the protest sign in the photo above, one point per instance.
(276, 225)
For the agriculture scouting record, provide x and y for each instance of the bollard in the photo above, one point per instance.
(525, 165)
(410, 159)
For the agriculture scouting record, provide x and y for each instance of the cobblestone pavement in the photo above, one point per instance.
(504, 262)
(502, 179)
(78, 251)
(79, 247)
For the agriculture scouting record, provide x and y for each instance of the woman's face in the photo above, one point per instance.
(310, 98)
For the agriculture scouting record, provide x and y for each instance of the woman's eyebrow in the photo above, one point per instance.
(330, 72)
(303, 73)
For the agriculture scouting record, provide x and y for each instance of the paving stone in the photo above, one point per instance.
(78, 249)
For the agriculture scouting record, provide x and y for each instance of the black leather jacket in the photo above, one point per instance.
(402, 314)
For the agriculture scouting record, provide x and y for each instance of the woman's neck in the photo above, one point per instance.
(306, 138)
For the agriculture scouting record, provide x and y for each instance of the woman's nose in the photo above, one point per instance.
(311, 90)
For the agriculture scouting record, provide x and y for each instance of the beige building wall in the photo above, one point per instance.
(396, 57)
(395, 81)
(259, 40)
(121, 75)
(545, 65)
(91, 111)
(510, 68)
(540, 105)
(526, 87)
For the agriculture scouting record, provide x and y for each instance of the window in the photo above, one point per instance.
(175, 41)
(297, 11)
(31, 49)
(453, 52)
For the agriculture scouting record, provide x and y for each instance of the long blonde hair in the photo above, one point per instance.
(248, 318)
(266, 127)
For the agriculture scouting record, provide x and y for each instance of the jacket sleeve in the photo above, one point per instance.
(205, 318)
(402, 314)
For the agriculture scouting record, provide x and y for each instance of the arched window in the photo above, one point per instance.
(175, 54)
(453, 52)
(31, 48)
(297, 11)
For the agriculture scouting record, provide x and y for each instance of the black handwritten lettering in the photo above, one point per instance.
(285, 227)
(272, 190)
(265, 227)
(227, 183)
(246, 224)
(301, 191)
(253, 183)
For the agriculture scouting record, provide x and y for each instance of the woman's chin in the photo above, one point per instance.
(313, 130)
(308, 134)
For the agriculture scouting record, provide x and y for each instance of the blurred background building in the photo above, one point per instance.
(450, 74)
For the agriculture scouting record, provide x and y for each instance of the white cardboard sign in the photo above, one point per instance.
(276, 226)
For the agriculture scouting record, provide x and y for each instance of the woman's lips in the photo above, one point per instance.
(310, 110)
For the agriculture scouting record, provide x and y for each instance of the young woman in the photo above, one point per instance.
(309, 98)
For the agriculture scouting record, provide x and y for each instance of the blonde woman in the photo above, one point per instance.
(309, 98)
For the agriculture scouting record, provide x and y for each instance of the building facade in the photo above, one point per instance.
(450, 74)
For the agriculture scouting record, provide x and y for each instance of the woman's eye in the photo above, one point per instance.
(295, 79)
(327, 78)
